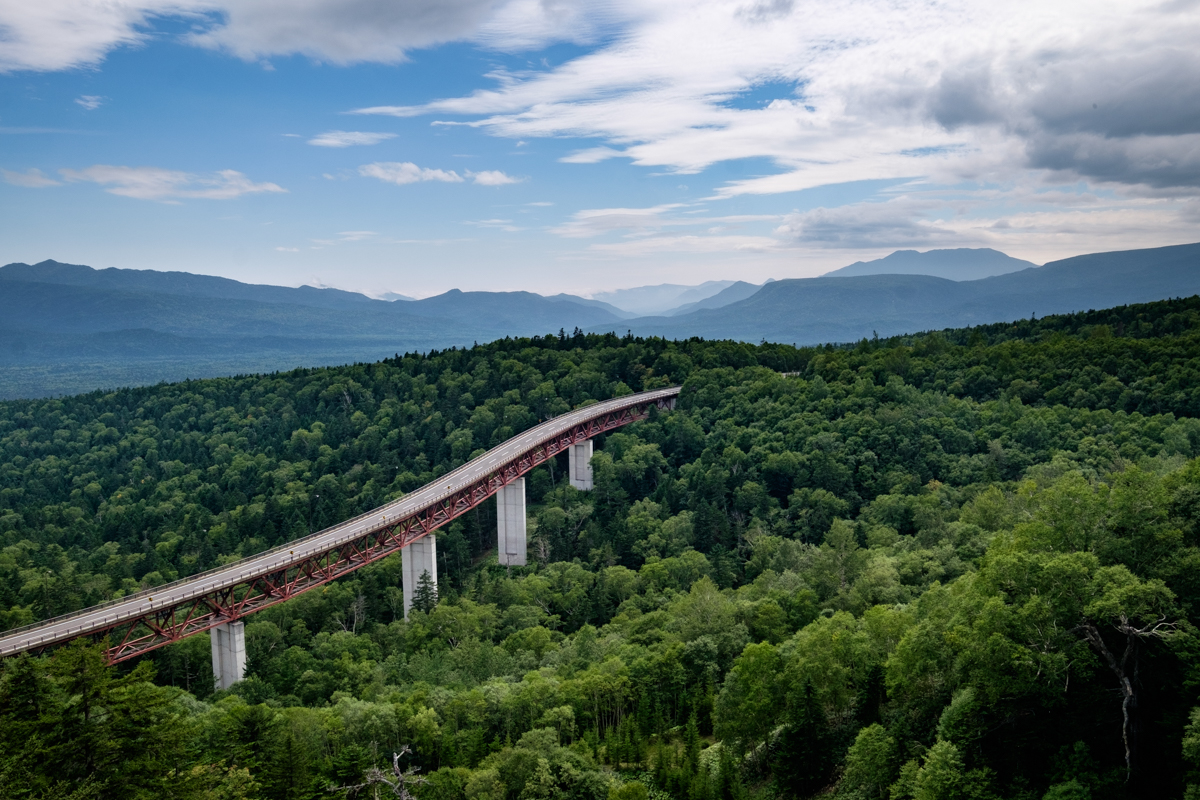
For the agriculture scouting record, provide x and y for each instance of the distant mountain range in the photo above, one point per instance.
(730, 294)
(962, 264)
(66, 328)
(845, 309)
(661, 299)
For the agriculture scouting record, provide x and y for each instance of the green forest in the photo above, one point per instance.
(960, 564)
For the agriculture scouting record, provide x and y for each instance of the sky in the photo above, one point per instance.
(415, 146)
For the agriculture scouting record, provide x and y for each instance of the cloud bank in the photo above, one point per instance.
(63, 34)
(1051, 121)
(154, 183)
(1105, 92)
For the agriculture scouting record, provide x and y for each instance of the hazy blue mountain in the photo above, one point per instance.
(659, 299)
(509, 311)
(814, 310)
(178, 283)
(78, 299)
(392, 296)
(963, 264)
(584, 301)
(730, 294)
(69, 328)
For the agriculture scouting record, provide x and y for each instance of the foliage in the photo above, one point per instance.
(956, 565)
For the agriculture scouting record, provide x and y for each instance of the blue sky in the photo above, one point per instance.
(547, 145)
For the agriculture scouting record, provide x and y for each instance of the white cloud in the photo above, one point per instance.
(342, 31)
(497, 224)
(854, 89)
(288, 249)
(1049, 225)
(154, 183)
(492, 177)
(592, 155)
(90, 102)
(349, 138)
(598, 221)
(1045, 226)
(637, 222)
(403, 172)
(31, 179)
(1010, 94)
(896, 223)
(688, 244)
(347, 236)
(64, 34)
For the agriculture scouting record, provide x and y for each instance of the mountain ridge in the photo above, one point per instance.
(145, 326)
(841, 309)
(959, 264)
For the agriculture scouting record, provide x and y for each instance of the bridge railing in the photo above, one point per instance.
(290, 547)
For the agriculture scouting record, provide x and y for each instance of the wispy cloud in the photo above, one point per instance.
(155, 183)
(347, 236)
(349, 138)
(862, 89)
(492, 177)
(404, 172)
(30, 179)
(63, 34)
(688, 244)
(90, 102)
(597, 221)
(592, 155)
(497, 224)
(901, 222)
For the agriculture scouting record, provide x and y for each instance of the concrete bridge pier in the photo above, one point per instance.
(579, 461)
(510, 523)
(228, 653)
(415, 560)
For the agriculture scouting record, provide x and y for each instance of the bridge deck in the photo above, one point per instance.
(300, 554)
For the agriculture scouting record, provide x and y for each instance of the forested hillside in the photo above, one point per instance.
(959, 565)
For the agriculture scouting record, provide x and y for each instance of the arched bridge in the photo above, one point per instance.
(220, 597)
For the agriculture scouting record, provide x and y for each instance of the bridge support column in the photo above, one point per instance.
(580, 465)
(415, 560)
(228, 653)
(510, 523)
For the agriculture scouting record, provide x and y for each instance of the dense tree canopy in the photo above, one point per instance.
(961, 564)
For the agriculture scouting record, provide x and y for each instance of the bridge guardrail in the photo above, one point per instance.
(611, 405)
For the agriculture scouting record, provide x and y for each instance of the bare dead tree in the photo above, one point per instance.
(541, 547)
(355, 613)
(382, 784)
(1158, 629)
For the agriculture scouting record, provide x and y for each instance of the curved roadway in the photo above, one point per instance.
(102, 617)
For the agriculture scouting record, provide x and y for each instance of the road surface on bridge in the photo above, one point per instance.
(279, 560)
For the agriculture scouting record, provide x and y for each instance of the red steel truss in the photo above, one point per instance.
(178, 620)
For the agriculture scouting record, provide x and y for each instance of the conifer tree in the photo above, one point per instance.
(691, 743)
(425, 598)
(801, 758)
